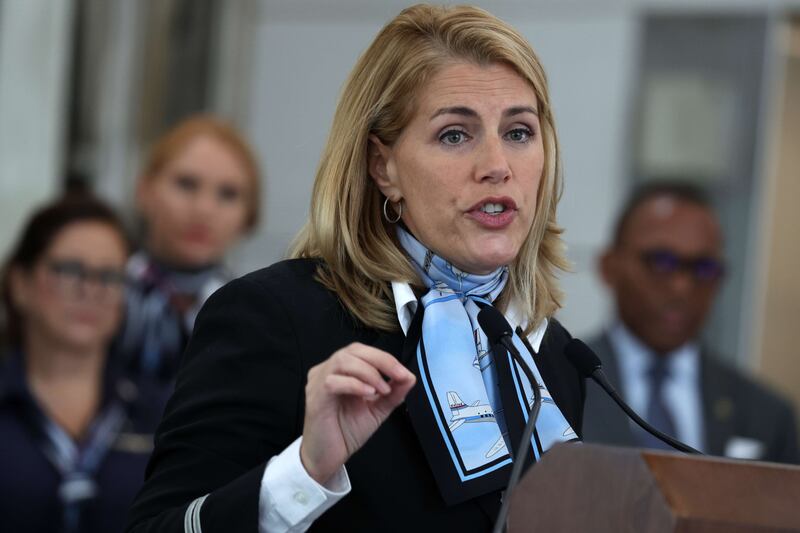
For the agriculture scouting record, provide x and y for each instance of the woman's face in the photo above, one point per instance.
(467, 166)
(72, 296)
(195, 208)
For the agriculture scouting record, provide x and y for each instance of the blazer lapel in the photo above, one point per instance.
(557, 373)
(604, 421)
(394, 344)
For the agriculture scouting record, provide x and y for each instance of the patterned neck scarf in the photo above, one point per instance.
(474, 400)
(160, 311)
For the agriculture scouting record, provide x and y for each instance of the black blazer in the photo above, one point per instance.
(239, 400)
(734, 405)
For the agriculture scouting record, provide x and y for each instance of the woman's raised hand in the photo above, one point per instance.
(347, 399)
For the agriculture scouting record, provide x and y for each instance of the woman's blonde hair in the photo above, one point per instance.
(359, 249)
(173, 142)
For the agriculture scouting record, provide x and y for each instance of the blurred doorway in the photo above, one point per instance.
(777, 334)
(697, 118)
(137, 67)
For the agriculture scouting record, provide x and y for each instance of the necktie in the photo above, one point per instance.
(657, 413)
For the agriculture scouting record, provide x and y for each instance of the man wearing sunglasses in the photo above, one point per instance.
(664, 269)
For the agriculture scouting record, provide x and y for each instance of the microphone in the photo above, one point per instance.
(499, 331)
(589, 366)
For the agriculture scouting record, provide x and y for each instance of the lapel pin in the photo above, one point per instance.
(723, 408)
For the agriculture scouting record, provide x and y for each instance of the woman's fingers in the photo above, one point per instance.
(384, 362)
(338, 385)
(400, 388)
(373, 373)
(350, 364)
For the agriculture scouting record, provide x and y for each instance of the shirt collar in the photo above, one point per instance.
(636, 357)
(406, 305)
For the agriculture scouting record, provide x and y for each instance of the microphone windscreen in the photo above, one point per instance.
(580, 355)
(494, 324)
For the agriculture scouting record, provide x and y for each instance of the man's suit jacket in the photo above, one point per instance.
(734, 407)
(239, 400)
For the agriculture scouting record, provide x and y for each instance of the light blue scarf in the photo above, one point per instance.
(456, 367)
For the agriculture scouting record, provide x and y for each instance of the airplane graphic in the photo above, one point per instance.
(470, 414)
(463, 413)
(477, 412)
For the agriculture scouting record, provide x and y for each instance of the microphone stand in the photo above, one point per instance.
(527, 434)
(599, 377)
(588, 365)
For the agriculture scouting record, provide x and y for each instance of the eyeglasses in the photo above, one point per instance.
(73, 278)
(667, 263)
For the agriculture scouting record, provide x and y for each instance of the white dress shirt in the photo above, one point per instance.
(290, 500)
(681, 389)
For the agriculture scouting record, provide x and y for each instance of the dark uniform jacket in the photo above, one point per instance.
(30, 478)
(239, 400)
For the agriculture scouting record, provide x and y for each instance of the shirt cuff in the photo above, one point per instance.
(290, 499)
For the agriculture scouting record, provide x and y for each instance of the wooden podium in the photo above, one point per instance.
(592, 488)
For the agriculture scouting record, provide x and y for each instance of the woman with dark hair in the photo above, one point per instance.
(76, 435)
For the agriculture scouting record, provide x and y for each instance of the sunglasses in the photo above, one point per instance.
(667, 263)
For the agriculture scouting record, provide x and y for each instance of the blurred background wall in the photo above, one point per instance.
(706, 90)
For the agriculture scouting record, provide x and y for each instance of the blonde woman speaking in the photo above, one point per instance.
(351, 388)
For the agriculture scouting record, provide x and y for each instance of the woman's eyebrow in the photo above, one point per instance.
(469, 112)
(518, 110)
(456, 110)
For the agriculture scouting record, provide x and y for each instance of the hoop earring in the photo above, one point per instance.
(386, 213)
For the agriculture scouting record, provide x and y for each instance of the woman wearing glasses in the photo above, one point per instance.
(76, 436)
